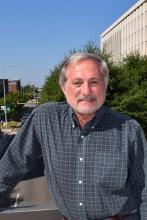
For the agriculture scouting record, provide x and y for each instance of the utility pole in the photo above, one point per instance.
(4, 90)
(5, 105)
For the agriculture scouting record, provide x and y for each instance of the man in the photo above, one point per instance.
(95, 159)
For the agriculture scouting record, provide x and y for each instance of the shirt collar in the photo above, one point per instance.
(93, 123)
(99, 114)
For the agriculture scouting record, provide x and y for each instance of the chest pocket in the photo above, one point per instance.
(111, 169)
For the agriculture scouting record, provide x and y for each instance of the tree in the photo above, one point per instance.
(11, 100)
(29, 91)
(51, 90)
(127, 90)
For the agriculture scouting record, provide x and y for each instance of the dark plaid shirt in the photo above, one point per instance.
(96, 171)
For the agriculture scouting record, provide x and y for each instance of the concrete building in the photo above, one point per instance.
(14, 85)
(128, 33)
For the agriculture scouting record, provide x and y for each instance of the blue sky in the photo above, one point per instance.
(35, 35)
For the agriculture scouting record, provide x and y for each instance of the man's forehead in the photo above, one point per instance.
(86, 78)
(87, 64)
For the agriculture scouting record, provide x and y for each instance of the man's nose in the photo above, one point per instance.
(85, 90)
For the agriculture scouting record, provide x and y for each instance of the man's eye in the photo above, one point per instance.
(94, 82)
(77, 83)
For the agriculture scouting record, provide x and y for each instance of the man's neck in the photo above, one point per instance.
(83, 119)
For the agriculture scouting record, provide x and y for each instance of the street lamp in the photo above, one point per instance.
(5, 105)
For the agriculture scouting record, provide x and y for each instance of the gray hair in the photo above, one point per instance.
(79, 56)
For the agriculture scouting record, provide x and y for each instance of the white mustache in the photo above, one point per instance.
(86, 98)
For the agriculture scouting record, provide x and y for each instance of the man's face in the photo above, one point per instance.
(85, 88)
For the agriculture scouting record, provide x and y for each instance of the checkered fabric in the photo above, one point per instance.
(94, 172)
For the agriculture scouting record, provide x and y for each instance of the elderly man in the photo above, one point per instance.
(95, 159)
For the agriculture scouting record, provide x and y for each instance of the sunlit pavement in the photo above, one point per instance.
(37, 203)
(36, 213)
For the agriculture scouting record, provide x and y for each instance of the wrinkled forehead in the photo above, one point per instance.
(83, 62)
(87, 68)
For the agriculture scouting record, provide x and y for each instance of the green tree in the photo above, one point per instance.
(12, 100)
(51, 90)
(29, 91)
(127, 91)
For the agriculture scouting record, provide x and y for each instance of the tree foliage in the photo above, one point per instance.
(127, 90)
(12, 100)
(51, 90)
(29, 90)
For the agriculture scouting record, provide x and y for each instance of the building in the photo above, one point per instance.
(128, 33)
(3, 87)
(14, 85)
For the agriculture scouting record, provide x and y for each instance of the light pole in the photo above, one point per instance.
(4, 90)
(5, 105)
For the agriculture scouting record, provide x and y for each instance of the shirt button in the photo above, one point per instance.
(82, 136)
(81, 159)
(73, 126)
(80, 181)
(93, 127)
(80, 204)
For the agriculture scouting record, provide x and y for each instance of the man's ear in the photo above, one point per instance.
(62, 88)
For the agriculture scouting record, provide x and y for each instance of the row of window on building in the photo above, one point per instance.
(128, 33)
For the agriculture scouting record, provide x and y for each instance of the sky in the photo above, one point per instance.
(35, 35)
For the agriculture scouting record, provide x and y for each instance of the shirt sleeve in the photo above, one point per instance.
(139, 171)
(143, 208)
(20, 156)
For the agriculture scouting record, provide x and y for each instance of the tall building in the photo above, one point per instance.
(14, 85)
(128, 33)
(3, 86)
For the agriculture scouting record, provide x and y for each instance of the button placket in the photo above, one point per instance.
(81, 159)
(81, 172)
(80, 181)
